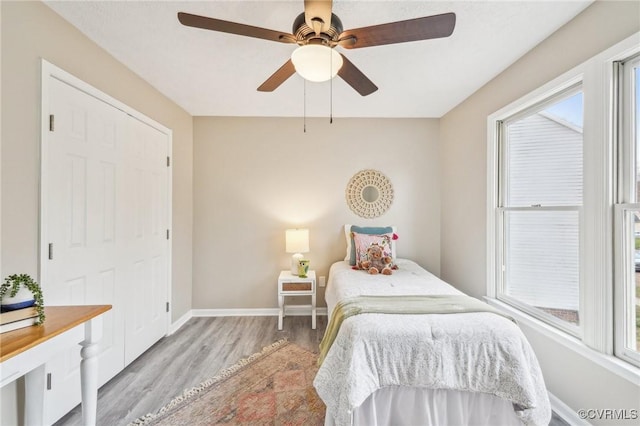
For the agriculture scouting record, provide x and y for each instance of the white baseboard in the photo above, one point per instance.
(180, 322)
(239, 312)
(259, 312)
(256, 312)
(565, 412)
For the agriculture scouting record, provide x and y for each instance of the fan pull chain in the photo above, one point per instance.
(331, 103)
(331, 91)
(304, 106)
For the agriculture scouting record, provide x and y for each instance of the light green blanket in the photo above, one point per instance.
(439, 304)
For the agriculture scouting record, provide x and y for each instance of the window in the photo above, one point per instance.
(540, 197)
(563, 208)
(627, 213)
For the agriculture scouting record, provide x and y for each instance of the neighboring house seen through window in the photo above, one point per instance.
(540, 199)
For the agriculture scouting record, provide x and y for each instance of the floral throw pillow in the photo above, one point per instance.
(364, 241)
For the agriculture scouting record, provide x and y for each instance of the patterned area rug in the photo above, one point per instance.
(272, 387)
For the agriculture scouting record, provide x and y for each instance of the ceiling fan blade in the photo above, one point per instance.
(355, 78)
(278, 77)
(425, 28)
(318, 9)
(213, 24)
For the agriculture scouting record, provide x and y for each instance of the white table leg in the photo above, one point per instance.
(313, 311)
(34, 403)
(89, 370)
(281, 311)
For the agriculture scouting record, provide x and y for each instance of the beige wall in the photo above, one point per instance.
(575, 380)
(30, 31)
(256, 177)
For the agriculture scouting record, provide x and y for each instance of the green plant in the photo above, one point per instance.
(13, 283)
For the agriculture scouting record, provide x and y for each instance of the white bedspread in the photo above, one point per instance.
(478, 352)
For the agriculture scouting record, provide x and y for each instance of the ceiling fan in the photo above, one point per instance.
(318, 31)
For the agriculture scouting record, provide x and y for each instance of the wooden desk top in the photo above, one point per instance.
(58, 320)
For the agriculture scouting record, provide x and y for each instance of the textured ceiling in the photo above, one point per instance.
(209, 73)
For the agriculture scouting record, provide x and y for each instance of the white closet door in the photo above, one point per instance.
(106, 212)
(83, 174)
(146, 238)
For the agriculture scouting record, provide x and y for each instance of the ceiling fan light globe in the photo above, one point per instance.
(316, 63)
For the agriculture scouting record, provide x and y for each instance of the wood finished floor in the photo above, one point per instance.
(196, 352)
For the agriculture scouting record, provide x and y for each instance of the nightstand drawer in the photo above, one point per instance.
(296, 287)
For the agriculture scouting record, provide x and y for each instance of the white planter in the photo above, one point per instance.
(22, 299)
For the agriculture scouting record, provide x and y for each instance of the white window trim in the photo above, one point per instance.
(624, 260)
(501, 125)
(615, 365)
(625, 202)
(494, 220)
(596, 277)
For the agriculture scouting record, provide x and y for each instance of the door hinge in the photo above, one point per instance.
(50, 251)
(51, 122)
(168, 234)
(168, 161)
(167, 306)
(48, 381)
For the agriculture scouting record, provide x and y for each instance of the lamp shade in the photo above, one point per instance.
(297, 240)
(316, 63)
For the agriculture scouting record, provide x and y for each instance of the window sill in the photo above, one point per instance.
(609, 362)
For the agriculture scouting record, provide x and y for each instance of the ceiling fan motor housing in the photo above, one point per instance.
(306, 35)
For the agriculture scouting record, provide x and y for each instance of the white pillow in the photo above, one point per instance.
(347, 235)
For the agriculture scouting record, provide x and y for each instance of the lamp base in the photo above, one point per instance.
(294, 263)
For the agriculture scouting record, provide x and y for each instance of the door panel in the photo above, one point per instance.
(82, 172)
(101, 207)
(148, 244)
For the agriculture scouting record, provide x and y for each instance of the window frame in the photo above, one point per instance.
(626, 201)
(563, 93)
(596, 231)
(623, 262)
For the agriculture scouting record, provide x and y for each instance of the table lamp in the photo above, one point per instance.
(297, 242)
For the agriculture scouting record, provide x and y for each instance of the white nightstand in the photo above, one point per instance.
(293, 285)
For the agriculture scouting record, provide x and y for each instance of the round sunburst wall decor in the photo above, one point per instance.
(369, 193)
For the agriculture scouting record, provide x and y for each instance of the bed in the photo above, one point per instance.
(470, 368)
